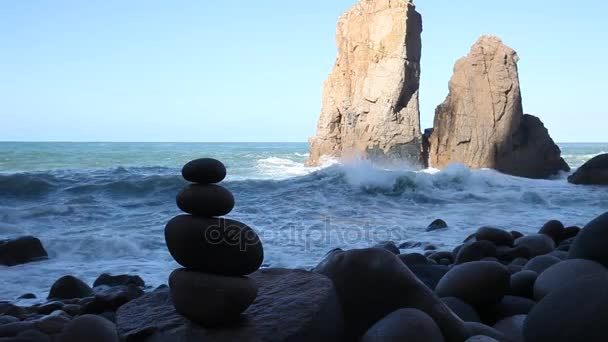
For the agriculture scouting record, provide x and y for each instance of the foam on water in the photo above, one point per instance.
(110, 218)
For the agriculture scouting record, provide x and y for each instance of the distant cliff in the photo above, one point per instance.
(481, 123)
(370, 100)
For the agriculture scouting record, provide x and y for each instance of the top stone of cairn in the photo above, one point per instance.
(204, 171)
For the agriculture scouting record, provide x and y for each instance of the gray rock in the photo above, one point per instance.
(116, 280)
(591, 242)
(410, 325)
(522, 284)
(537, 244)
(565, 273)
(68, 287)
(482, 329)
(89, 328)
(497, 236)
(463, 310)
(540, 263)
(475, 251)
(512, 327)
(292, 305)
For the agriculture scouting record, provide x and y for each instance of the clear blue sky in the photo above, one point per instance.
(147, 70)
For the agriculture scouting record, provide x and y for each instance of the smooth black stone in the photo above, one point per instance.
(429, 274)
(593, 172)
(475, 251)
(206, 200)
(505, 253)
(122, 279)
(569, 233)
(214, 245)
(204, 171)
(389, 246)
(508, 306)
(21, 250)
(538, 244)
(475, 329)
(27, 296)
(479, 283)
(575, 312)
(413, 259)
(516, 235)
(89, 328)
(68, 287)
(462, 309)
(553, 229)
(437, 224)
(522, 284)
(497, 236)
(540, 263)
(211, 300)
(410, 325)
(437, 256)
(592, 241)
(564, 273)
(371, 283)
(512, 327)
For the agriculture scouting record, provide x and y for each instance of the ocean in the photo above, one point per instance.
(102, 207)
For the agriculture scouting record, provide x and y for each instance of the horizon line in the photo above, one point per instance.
(209, 142)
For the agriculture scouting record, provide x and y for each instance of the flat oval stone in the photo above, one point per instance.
(214, 245)
(204, 171)
(208, 299)
(207, 200)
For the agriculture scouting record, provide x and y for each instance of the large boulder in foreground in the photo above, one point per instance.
(21, 250)
(371, 283)
(593, 172)
(482, 124)
(591, 242)
(370, 100)
(292, 305)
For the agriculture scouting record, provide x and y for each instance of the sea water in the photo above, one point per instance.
(102, 207)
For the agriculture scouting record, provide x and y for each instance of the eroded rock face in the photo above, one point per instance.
(482, 124)
(370, 100)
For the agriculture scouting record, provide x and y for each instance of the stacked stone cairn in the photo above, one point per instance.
(217, 253)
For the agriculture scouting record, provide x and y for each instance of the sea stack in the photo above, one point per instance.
(370, 100)
(217, 253)
(481, 123)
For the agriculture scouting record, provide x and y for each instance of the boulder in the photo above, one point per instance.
(537, 244)
(371, 283)
(206, 200)
(210, 300)
(21, 250)
(479, 283)
(410, 325)
(497, 236)
(512, 327)
(481, 123)
(475, 251)
(116, 280)
(204, 171)
(522, 284)
(540, 263)
(89, 328)
(565, 273)
(292, 305)
(593, 172)
(370, 100)
(553, 229)
(68, 287)
(591, 242)
(214, 245)
(463, 310)
(575, 312)
(436, 225)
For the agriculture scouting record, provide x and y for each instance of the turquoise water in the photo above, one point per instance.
(101, 207)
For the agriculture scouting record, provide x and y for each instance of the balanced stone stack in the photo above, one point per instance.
(217, 253)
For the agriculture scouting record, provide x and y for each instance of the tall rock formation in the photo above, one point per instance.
(370, 101)
(481, 123)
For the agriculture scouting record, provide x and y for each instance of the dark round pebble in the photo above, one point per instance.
(540, 263)
(475, 251)
(538, 244)
(204, 171)
(592, 241)
(463, 310)
(214, 245)
(437, 224)
(206, 200)
(553, 229)
(404, 325)
(522, 284)
(564, 273)
(497, 236)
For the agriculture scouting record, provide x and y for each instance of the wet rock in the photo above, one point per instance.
(553, 229)
(565, 273)
(508, 254)
(12, 310)
(463, 310)
(205, 200)
(522, 284)
(568, 233)
(538, 244)
(404, 325)
(475, 251)
(21, 250)
(49, 307)
(111, 298)
(204, 171)
(593, 172)
(540, 263)
(591, 242)
(389, 246)
(479, 283)
(292, 305)
(27, 296)
(436, 225)
(89, 328)
(371, 283)
(122, 279)
(208, 299)
(575, 312)
(68, 287)
(497, 236)
(214, 245)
